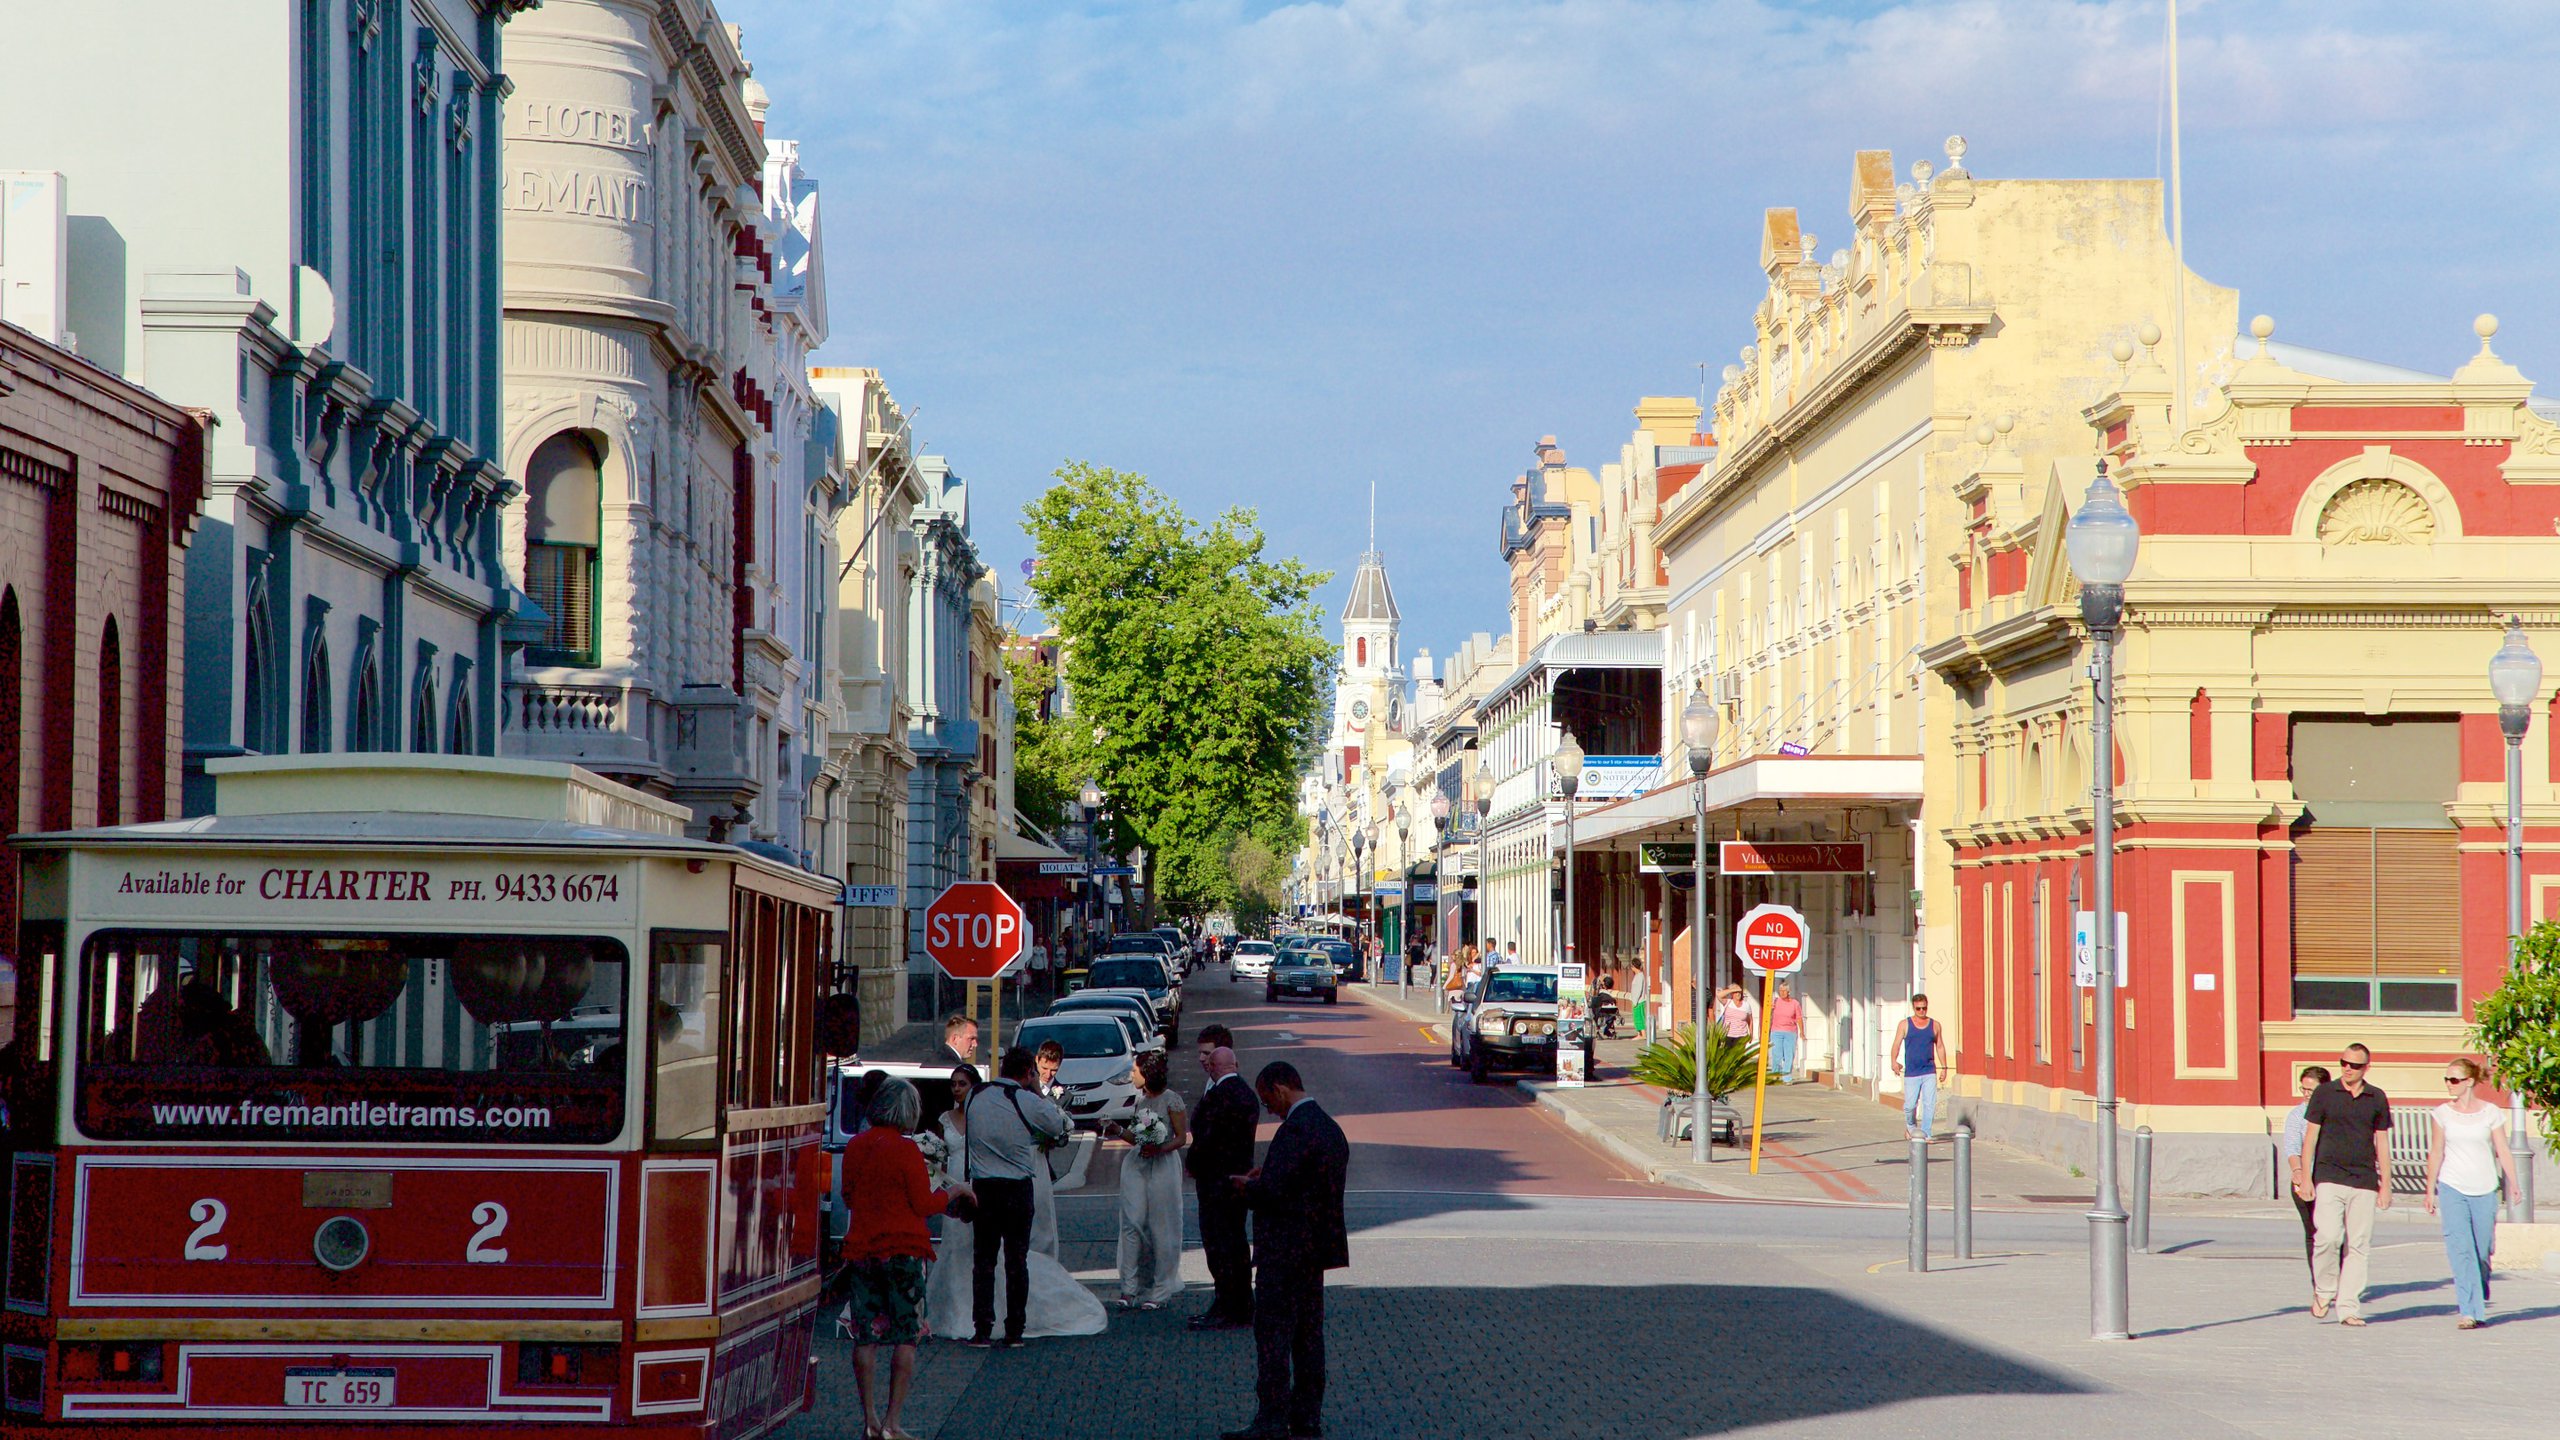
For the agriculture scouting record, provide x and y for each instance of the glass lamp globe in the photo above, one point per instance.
(1092, 796)
(1699, 722)
(1440, 806)
(1568, 761)
(2515, 672)
(2103, 535)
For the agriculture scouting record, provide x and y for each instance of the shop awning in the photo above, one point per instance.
(1763, 781)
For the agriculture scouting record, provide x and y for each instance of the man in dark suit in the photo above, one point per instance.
(959, 1041)
(1222, 1149)
(1298, 1234)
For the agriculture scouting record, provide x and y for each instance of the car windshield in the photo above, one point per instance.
(1339, 951)
(1125, 975)
(1096, 1039)
(1303, 961)
(1521, 985)
(1253, 947)
(1148, 941)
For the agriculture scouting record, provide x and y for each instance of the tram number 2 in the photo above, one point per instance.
(211, 1215)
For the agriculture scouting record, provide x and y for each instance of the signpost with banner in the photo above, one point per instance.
(1771, 940)
(1573, 1022)
(1793, 857)
(1666, 857)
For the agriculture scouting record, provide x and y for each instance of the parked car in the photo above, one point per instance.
(1095, 1080)
(1134, 1006)
(1303, 973)
(1144, 973)
(1253, 959)
(1505, 1020)
(1345, 957)
(1138, 942)
(933, 1086)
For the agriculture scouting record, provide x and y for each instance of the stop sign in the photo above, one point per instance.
(1771, 937)
(973, 930)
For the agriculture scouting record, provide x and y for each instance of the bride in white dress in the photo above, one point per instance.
(1059, 1304)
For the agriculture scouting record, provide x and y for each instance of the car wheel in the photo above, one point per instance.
(1479, 1071)
(1172, 1037)
(1330, 996)
(1270, 994)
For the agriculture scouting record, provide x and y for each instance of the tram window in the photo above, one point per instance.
(489, 1038)
(685, 1024)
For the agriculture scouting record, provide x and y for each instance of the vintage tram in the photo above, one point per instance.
(411, 1095)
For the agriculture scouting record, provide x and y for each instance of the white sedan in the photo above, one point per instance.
(1253, 960)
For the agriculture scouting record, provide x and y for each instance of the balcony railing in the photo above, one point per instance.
(558, 710)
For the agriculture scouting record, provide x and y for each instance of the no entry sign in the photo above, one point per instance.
(1770, 938)
(973, 930)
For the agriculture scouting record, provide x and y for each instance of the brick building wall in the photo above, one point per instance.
(100, 484)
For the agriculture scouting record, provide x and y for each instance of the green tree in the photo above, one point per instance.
(1196, 663)
(1047, 777)
(2517, 1025)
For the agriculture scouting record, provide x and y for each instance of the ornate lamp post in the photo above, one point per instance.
(1567, 763)
(2102, 541)
(1359, 866)
(1484, 812)
(1440, 811)
(1404, 892)
(1698, 725)
(1092, 798)
(2515, 677)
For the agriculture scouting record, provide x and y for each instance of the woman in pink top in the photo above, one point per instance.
(1786, 1024)
(1739, 1015)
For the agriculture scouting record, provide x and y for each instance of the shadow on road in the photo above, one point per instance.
(1419, 1364)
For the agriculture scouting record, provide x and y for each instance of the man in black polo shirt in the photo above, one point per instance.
(2347, 1134)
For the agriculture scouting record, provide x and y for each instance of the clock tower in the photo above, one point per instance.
(1369, 683)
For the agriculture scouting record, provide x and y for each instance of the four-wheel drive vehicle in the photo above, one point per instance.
(1507, 1021)
(1303, 974)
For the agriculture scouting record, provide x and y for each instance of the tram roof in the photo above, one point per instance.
(403, 828)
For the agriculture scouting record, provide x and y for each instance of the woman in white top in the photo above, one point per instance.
(1151, 1196)
(1059, 1303)
(2466, 1155)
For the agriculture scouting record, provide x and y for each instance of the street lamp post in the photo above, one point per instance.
(1698, 724)
(1568, 770)
(2515, 677)
(2102, 540)
(1092, 798)
(1359, 866)
(1484, 813)
(1404, 892)
(1440, 810)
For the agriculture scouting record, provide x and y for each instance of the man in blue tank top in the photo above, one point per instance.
(1919, 1057)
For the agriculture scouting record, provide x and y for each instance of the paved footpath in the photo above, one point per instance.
(1512, 1300)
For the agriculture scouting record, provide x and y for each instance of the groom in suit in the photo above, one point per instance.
(1221, 1148)
(1298, 1234)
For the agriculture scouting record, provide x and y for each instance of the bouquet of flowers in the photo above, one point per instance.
(1149, 1128)
(937, 1159)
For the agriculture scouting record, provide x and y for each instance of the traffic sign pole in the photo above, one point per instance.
(1772, 938)
(1760, 1088)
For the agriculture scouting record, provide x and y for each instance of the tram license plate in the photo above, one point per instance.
(338, 1389)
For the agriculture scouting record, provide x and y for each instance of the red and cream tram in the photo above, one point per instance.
(409, 1095)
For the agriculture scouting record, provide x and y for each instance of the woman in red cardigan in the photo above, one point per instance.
(886, 1246)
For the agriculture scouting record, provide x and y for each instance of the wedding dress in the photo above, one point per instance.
(1059, 1303)
(1151, 1215)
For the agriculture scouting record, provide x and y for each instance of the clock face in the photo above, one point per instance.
(1359, 709)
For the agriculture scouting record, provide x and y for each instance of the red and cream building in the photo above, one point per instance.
(99, 487)
(2310, 773)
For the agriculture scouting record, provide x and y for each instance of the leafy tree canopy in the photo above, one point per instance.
(1047, 774)
(1197, 666)
(2517, 1025)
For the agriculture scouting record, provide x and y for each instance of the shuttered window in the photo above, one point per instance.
(2377, 920)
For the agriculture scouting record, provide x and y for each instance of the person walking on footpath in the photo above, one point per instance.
(1460, 966)
(2466, 1155)
(1919, 1057)
(2346, 1130)
(1008, 1125)
(886, 1246)
(1151, 1193)
(1786, 1033)
(2297, 1165)
(1222, 1127)
(1298, 1234)
(1639, 1001)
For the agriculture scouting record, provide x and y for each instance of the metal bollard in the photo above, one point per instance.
(1964, 1192)
(2142, 1189)
(1919, 1207)
(2523, 1149)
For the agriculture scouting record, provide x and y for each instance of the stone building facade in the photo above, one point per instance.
(99, 487)
(663, 291)
(311, 266)
(942, 726)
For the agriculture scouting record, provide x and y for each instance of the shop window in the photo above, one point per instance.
(564, 526)
(2377, 881)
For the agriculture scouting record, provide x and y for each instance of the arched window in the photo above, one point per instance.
(422, 707)
(13, 681)
(110, 726)
(315, 693)
(1360, 650)
(364, 723)
(458, 738)
(564, 525)
(261, 693)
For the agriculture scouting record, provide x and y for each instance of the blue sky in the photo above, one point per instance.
(1271, 253)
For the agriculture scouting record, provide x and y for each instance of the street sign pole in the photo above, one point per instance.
(1760, 1086)
(1771, 939)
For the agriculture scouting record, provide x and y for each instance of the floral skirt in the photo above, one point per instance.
(887, 1304)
